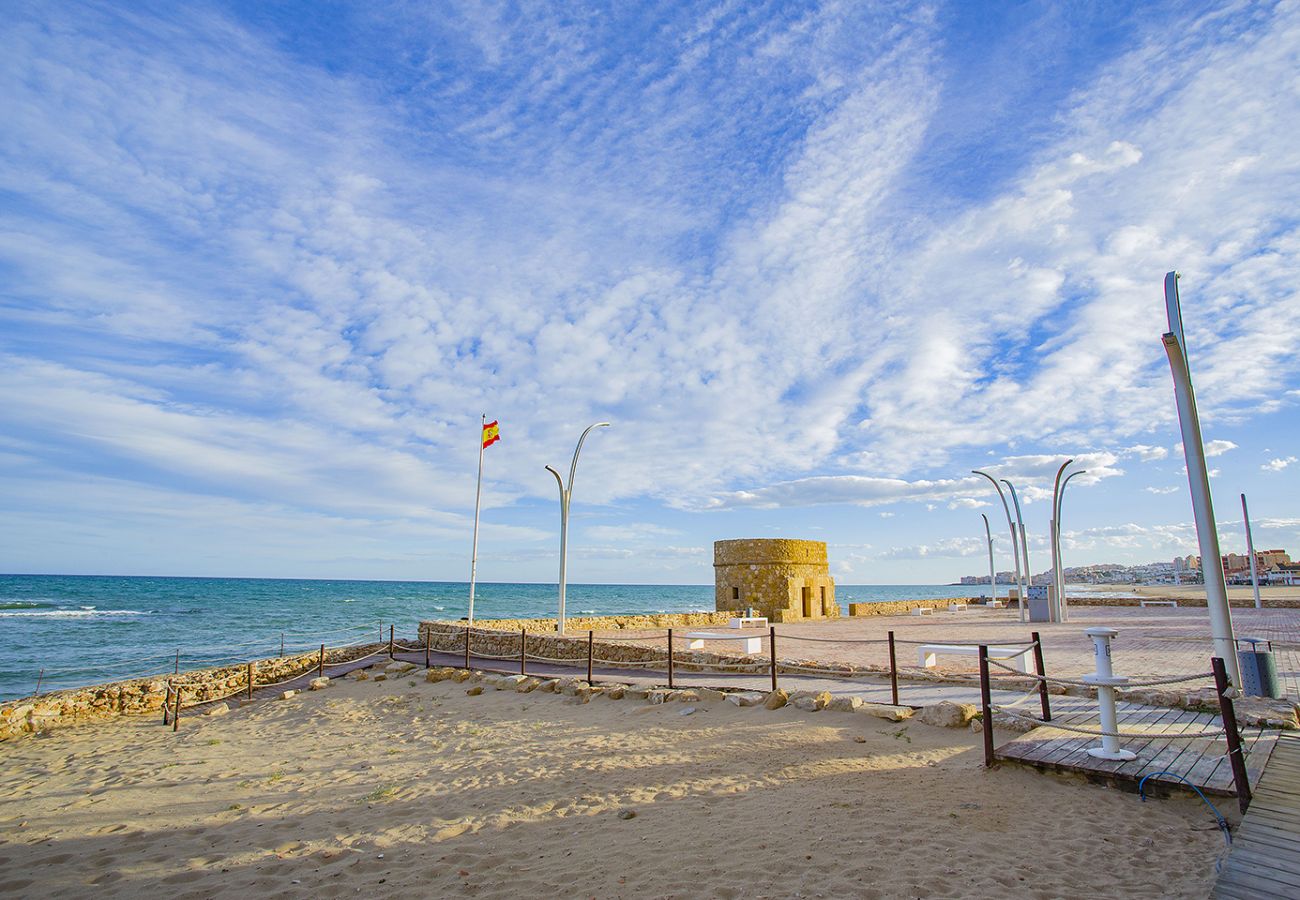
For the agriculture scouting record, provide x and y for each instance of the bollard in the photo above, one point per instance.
(250, 681)
(1106, 680)
(590, 642)
(1042, 679)
(771, 646)
(670, 658)
(523, 649)
(893, 670)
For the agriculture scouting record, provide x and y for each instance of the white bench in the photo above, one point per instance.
(956, 607)
(923, 611)
(750, 643)
(994, 604)
(926, 654)
(1146, 603)
(742, 621)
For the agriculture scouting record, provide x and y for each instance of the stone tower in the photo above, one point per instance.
(785, 580)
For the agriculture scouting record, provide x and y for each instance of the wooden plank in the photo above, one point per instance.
(1067, 749)
(1162, 754)
(1162, 725)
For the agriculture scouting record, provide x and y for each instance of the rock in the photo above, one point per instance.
(319, 684)
(288, 695)
(946, 714)
(509, 682)
(745, 698)
(475, 690)
(527, 685)
(461, 676)
(807, 704)
(615, 691)
(570, 686)
(548, 687)
(359, 675)
(887, 711)
(399, 668)
(217, 709)
(636, 692)
(689, 710)
(433, 676)
(584, 694)
(382, 676)
(776, 699)
(245, 701)
(709, 695)
(845, 704)
(627, 814)
(683, 696)
(656, 697)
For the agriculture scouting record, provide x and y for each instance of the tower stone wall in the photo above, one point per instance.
(784, 579)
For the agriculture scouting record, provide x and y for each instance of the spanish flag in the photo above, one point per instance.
(491, 433)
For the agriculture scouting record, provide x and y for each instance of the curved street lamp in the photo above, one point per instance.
(993, 575)
(565, 494)
(1061, 605)
(1011, 526)
(1024, 542)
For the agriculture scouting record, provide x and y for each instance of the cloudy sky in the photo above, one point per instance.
(262, 267)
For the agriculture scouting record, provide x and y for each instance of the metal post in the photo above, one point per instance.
(771, 646)
(670, 657)
(591, 641)
(523, 650)
(1106, 681)
(1015, 556)
(1250, 551)
(1042, 679)
(893, 670)
(250, 681)
(478, 501)
(1198, 481)
(467, 630)
(320, 665)
(993, 575)
(1062, 601)
(986, 705)
(1230, 732)
(1053, 537)
(390, 642)
(1024, 550)
(566, 493)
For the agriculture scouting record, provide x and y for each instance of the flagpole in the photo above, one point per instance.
(478, 496)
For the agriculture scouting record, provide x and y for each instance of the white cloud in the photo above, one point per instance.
(1161, 490)
(1147, 452)
(1278, 464)
(950, 547)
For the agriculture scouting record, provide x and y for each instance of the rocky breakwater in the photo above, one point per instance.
(141, 696)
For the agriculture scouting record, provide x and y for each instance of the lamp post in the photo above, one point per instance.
(1250, 551)
(993, 575)
(1061, 605)
(1052, 536)
(1024, 541)
(565, 494)
(1198, 482)
(1015, 558)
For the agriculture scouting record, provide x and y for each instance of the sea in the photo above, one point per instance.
(61, 631)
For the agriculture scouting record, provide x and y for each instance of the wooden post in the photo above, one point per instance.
(390, 641)
(466, 646)
(591, 639)
(1235, 755)
(428, 645)
(670, 658)
(771, 646)
(893, 670)
(167, 705)
(320, 666)
(282, 645)
(986, 705)
(250, 681)
(39, 677)
(177, 669)
(1042, 681)
(176, 713)
(523, 650)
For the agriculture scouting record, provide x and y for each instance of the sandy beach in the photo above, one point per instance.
(406, 787)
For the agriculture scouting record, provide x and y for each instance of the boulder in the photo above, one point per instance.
(527, 685)
(656, 697)
(689, 710)
(217, 709)
(776, 699)
(615, 691)
(382, 676)
(684, 696)
(359, 675)
(745, 698)
(509, 682)
(636, 692)
(288, 694)
(475, 690)
(461, 676)
(845, 704)
(887, 711)
(399, 668)
(319, 684)
(946, 714)
(433, 676)
(549, 686)
(709, 695)
(570, 686)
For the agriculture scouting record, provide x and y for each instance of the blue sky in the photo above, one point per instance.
(263, 266)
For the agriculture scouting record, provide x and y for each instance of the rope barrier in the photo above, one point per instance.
(1029, 645)
(1183, 736)
(1174, 679)
(794, 637)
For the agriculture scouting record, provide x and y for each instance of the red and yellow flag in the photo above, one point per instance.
(491, 433)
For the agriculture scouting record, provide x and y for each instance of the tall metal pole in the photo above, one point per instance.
(1198, 481)
(993, 575)
(478, 497)
(565, 494)
(1011, 526)
(1024, 540)
(1250, 551)
(1060, 502)
(1058, 579)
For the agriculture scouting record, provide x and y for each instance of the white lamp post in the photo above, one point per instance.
(1061, 605)
(993, 575)
(1250, 551)
(1053, 535)
(1024, 541)
(1198, 481)
(565, 494)
(1011, 526)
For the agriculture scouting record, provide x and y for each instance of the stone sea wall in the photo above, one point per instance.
(140, 696)
(1192, 602)
(576, 624)
(903, 607)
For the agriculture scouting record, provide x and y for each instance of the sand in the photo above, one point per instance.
(403, 787)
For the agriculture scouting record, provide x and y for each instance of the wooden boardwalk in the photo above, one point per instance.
(1265, 857)
(1201, 761)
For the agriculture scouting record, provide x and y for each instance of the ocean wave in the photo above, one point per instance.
(25, 604)
(440, 608)
(68, 613)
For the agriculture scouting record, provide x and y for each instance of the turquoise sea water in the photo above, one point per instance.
(88, 629)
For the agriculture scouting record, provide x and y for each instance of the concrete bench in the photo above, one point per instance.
(926, 654)
(743, 621)
(1146, 603)
(923, 611)
(994, 604)
(750, 643)
(956, 607)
